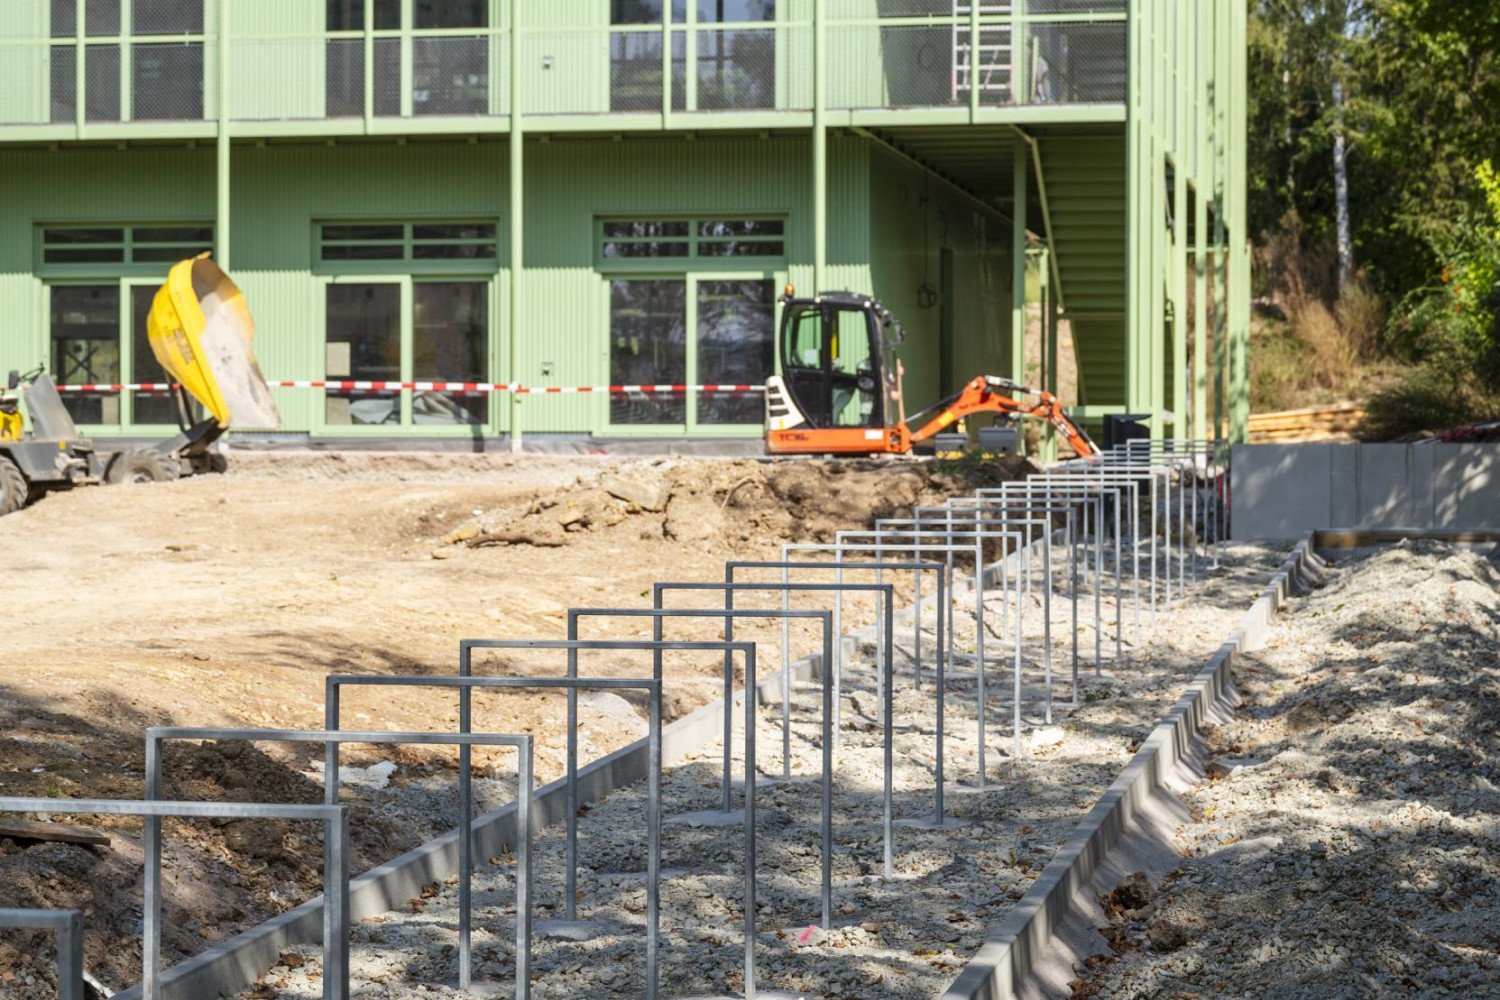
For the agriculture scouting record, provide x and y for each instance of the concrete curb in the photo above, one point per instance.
(1015, 949)
(234, 965)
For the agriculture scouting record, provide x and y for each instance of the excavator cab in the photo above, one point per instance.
(839, 388)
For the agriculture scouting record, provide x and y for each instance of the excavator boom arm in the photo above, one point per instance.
(988, 394)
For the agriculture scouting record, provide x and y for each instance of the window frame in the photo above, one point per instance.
(125, 40)
(124, 283)
(691, 277)
(408, 263)
(493, 421)
(693, 260)
(127, 266)
(407, 34)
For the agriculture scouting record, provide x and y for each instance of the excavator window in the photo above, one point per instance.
(829, 366)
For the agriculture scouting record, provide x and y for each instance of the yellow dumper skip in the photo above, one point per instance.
(200, 331)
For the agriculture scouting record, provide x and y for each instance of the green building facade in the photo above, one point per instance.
(578, 193)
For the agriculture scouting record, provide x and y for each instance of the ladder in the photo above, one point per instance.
(988, 68)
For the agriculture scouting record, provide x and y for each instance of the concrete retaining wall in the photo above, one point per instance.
(1281, 491)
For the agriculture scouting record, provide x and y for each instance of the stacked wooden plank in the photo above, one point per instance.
(1318, 423)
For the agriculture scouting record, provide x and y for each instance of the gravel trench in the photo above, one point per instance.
(903, 937)
(1346, 842)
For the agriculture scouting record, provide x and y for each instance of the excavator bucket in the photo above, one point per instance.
(200, 331)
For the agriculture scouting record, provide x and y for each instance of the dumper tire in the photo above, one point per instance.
(13, 489)
(141, 465)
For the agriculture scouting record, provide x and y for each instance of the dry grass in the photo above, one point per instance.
(1314, 342)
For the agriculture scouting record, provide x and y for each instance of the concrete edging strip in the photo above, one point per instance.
(1015, 948)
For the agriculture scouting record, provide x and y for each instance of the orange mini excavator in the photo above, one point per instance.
(839, 391)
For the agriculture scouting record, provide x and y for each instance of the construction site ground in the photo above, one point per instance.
(226, 600)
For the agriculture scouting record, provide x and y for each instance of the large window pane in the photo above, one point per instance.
(85, 334)
(166, 17)
(648, 346)
(64, 96)
(102, 83)
(349, 15)
(451, 13)
(155, 406)
(736, 324)
(450, 76)
(344, 78)
(102, 17)
(644, 11)
(450, 343)
(363, 343)
(64, 18)
(736, 69)
(719, 11)
(167, 82)
(387, 71)
(635, 77)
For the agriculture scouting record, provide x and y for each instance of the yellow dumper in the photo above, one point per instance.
(200, 331)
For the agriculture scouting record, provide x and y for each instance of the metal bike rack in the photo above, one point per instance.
(331, 739)
(67, 925)
(658, 614)
(1048, 510)
(335, 820)
(916, 527)
(1041, 528)
(465, 682)
(884, 594)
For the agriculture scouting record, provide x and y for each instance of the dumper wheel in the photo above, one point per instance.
(141, 465)
(12, 487)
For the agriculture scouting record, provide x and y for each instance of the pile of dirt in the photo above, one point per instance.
(699, 502)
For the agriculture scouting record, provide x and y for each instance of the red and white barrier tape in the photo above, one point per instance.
(347, 385)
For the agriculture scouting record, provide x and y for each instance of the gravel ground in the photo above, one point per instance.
(902, 937)
(1347, 840)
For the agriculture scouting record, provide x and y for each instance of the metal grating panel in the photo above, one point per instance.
(167, 81)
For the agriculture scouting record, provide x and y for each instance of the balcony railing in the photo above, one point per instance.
(1060, 52)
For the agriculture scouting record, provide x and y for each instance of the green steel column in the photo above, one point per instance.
(222, 151)
(80, 56)
(1178, 259)
(1018, 264)
(369, 60)
(1221, 285)
(517, 228)
(1049, 348)
(974, 61)
(1203, 169)
(666, 62)
(1133, 268)
(1239, 273)
(820, 145)
(1157, 118)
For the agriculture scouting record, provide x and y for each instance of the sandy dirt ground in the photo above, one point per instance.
(227, 600)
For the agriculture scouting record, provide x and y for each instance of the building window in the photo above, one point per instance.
(449, 73)
(409, 302)
(102, 280)
(703, 313)
(441, 334)
(157, 59)
(124, 244)
(94, 343)
(721, 238)
(732, 68)
(406, 242)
